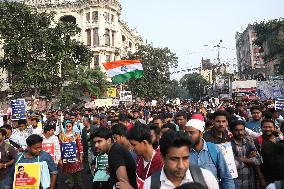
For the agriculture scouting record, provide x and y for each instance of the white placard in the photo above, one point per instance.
(125, 96)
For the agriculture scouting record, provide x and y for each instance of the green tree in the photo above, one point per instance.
(270, 36)
(156, 65)
(38, 53)
(84, 82)
(195, 84)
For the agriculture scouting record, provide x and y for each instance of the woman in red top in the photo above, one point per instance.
(72, 168)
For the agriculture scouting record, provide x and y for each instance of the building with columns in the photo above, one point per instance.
(102, 29)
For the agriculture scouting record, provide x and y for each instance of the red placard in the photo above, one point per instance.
(49, 148)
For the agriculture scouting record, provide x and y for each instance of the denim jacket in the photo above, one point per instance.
(221, 172)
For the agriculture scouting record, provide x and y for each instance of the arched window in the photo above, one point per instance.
(68, 19)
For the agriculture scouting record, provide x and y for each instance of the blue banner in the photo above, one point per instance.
(18, 109)
(69, 152)
(279, 104)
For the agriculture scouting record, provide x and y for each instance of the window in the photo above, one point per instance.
(68, 19)
(95, 16)
(96, 60)
(108, 58)
(113, 38)
(107, 17)
(107, 37)
(96, 38)
(88, 17)
(88, 37)
(123, 38)
(112, 18)
(130, 44)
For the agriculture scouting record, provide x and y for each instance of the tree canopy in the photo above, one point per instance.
(195, 84)
(270, 36)
(84, 82)
(156, 65)
(38, 53)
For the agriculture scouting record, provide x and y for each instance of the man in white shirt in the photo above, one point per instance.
(175, 148)
(20, 134)
(34, 127)
(50, 139)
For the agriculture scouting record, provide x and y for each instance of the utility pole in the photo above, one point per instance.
(218, 46)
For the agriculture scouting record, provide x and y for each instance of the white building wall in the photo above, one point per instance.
(79, 10)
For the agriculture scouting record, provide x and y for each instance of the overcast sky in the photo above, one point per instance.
(190, 28)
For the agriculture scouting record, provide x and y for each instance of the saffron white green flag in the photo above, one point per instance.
(124, 70)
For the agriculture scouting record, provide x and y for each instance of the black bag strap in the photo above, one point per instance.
(197, 175)
(195, 171)
(155, 180)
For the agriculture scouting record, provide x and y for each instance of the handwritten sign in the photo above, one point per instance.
(18, 109)
(49, 148)
(227, 151)
(27, 175)
(69, 152)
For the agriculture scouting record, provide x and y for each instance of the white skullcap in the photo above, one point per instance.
(196, 123)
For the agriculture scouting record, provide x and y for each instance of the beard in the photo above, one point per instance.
(197, 141)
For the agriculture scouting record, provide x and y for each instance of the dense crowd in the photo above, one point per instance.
(149, 147)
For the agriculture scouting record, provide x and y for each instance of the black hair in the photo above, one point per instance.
(255, 108)
(73, 115)
(155, 128)
(122, 117)
(161, 117)
(119, 129)
(48, 127)
(140, 133)
(182, 113)
(230, 110)
(20, 167)
(173, 139)
(168, 115)
(267, 120)
(87, 119)
(170, 126)
(3, 131)
(22, 121)
(234, 123)
(101, 132)
(34, 118)
(7, 127)
(33, 139)
(267, 114)
(222, 113)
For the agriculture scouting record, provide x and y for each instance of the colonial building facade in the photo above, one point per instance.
(102, 29)
(101, 26)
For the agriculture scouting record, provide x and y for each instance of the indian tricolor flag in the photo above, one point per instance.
(124, 70)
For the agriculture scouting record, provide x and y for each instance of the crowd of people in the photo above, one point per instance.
(142, 147)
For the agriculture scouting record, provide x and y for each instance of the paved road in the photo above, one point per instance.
(86, 180)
